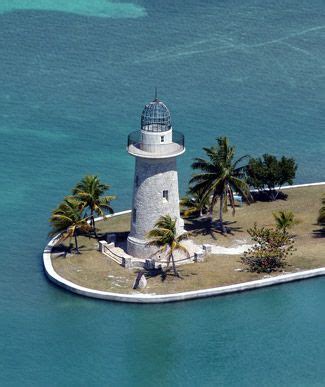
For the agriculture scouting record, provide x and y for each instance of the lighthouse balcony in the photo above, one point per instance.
(137, 147)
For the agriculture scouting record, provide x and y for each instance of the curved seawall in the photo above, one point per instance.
(137, 297)
(154, 298)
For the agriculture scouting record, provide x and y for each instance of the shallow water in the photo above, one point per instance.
(72, 86)
(98, 8)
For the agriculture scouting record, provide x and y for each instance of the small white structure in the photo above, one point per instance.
(155, 190)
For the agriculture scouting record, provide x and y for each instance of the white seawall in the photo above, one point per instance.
(137, 297)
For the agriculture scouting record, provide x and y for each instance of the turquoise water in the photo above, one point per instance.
(99, 8)
(73, 81)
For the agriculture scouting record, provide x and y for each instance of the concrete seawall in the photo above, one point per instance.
(137, 297)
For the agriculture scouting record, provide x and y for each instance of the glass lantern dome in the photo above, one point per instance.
(155, 117)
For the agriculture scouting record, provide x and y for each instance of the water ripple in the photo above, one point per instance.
(99, 8)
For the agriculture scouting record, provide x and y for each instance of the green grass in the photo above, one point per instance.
(94, 270)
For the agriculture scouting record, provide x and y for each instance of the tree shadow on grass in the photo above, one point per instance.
(203, 226)
(61, 248)
(319, 233)
(163, 274)
(264, 196)
(119, 235)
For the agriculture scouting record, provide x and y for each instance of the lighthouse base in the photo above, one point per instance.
(137, 248)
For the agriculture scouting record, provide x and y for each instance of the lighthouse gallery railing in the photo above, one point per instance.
(135, 139)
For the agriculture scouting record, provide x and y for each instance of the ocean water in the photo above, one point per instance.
(98, 8)
(73, 82)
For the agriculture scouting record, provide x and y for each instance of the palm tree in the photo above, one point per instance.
(89, 192)
(164, 236)
(284, 220)
(321, 216)
(220, 176)
(67, 218)
(194, 203)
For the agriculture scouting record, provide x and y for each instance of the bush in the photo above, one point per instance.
(270, 250)
(267, 172)
(284, 220)
(321, 215)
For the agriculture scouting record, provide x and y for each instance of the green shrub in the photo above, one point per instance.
(270, 250)
(321, 215)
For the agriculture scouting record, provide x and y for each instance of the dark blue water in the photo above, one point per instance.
(73, 83)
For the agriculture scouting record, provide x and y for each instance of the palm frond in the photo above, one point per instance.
(220, 175)
(238, 161)
(182, 248)
(242, 187)
(90, 192)
(182, 237)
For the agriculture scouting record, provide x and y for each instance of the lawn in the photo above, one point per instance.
(94, 270)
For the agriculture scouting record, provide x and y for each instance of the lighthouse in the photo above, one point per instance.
(155, 188)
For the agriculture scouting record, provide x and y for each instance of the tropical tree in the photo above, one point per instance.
(164, 236)
(194, 203)
(220, 176)
(68, 219)
(284, 220)
(89, 191)
(268, 174)
(321, 216)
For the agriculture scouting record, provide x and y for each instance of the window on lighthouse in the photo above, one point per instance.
(134, 215)
(165, 195)
(162, 138)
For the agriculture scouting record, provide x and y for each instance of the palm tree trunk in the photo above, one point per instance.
(211, 213)
(211, 207)
(174, 266)
(76, 242)
(223, 230)
(92, 221)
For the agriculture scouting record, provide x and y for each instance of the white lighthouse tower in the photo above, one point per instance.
(155, 189)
